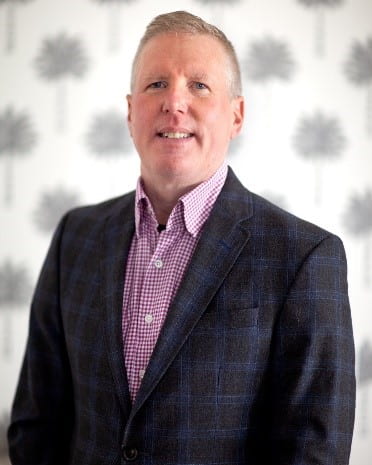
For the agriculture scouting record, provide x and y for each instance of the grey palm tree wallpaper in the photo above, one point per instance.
(114, 30)
(61, 57)
(108, 135)
(217, 9)
(217, 1)
(17, 139)
(306, 142)
(51, 206)
(269, 59)
(15, 291)
(320, 7)
(365, 363)
(365, 379)
(358, 69)
(358, 221)
(318, 138)
(10, 7)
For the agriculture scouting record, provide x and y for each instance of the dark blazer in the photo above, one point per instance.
(254, 363)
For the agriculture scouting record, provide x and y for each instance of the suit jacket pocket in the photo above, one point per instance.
(239, 317)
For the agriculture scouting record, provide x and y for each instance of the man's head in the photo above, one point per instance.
(182, 22)
(185, 105)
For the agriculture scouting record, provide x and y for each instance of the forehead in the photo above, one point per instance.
(201, 52)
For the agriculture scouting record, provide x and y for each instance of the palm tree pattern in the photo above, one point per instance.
(15, 291)
(358, 221)
(52, 205)
(10, 22)
(355, 65)
(114, 22)
(319, 6)
(109, 135)
(228, 2)
(365, 363)
(218, 9)
(17, 137)
(364, 378)
(269, 59)
(4, 423)
(61, 57)
(319, 137)
(358, 69)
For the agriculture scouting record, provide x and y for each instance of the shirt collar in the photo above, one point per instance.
(194, 207)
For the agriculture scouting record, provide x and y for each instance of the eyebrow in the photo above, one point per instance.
(155, 77)
(199, 77)
(163, 77)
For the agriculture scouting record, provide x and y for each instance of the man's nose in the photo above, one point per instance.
(175, 101)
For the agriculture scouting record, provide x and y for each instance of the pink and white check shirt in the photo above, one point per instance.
(155, 267)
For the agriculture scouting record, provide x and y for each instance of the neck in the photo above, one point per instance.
(164, 198)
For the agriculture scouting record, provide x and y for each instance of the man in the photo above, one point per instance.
(191, 322)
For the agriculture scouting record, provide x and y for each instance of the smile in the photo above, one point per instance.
(175, 135)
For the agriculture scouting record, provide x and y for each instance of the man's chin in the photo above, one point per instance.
(180, 166)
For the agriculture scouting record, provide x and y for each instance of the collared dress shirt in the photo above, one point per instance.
(156, 264)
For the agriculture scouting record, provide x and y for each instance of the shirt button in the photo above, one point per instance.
(141, 373)
(158, 263)
(148, 318)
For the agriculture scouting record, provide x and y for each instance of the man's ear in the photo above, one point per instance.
(129, 114)
(238, 115)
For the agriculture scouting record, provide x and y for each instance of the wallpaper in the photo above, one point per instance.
(306, 143)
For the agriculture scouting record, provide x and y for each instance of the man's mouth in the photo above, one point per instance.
(175, 135)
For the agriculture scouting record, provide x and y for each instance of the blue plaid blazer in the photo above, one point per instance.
(254, 363)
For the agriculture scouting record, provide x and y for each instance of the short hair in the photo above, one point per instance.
(187, 23)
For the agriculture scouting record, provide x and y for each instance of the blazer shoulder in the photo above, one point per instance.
(285, 225)
(267, 221)
(104, 210)
(87, 221)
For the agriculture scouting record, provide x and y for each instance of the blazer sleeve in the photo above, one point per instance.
(313, 384)
(42, 412)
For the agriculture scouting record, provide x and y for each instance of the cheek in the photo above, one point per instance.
(141, 113)
(218, 115)
(218, 125)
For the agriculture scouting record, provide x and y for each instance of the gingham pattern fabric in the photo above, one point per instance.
(155, 267)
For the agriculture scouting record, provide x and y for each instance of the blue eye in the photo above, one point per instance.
(157, 85)
(200, 85)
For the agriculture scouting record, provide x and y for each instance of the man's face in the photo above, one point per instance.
(181, 114)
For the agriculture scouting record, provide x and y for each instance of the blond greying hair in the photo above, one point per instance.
(183, 22)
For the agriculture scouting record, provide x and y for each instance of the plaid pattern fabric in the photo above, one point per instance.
(254, 362)
(155, 267)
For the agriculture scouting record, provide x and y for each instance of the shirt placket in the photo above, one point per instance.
(153, 299)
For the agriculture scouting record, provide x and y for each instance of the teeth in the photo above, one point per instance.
(175, 135)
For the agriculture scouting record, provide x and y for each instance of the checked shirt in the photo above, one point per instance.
(156, 264)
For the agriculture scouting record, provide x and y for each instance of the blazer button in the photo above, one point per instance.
(129, 453)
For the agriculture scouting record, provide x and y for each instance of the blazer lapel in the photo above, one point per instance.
(117, 238)
(223, 238)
